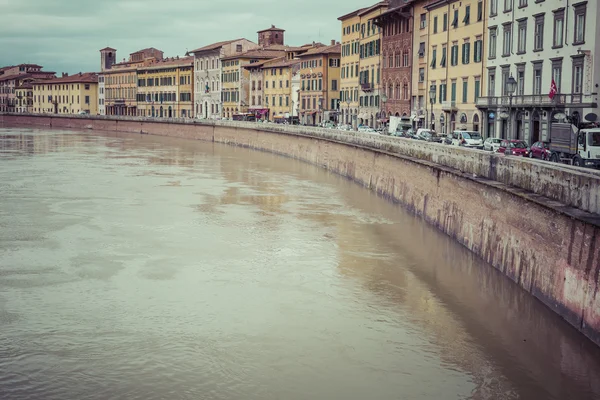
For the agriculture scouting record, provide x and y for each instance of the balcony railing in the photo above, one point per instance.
(366, 87)
(449, 106)
(582, 100)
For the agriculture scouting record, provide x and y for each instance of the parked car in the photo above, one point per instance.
(492, 144)
(514, 148)
(468, 139)
(540, 150)
(428, 135)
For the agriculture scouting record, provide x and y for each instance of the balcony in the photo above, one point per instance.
(539, 100)
(366, 87)
(449, 106)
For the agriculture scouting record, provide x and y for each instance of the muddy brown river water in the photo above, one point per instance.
(139, 267)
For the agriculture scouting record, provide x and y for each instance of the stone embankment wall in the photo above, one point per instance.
(538, 223)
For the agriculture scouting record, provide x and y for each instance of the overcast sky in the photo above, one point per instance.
(65, 35)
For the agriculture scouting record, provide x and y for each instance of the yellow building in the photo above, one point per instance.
(277, 91)
(120, 79)
(370, 65)
(350, 59)
(455, 62)
(235, 95)
(75, 94)
(320, 85)
(165, 88)
(24, 101)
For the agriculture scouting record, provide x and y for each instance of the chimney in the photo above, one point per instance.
(332, 42)
(64, 74)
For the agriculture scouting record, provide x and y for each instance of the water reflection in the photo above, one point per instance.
(194, 270)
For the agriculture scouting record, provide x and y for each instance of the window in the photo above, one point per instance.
(466, 52)
(443, 59)
(421, 49)
(467, 18)
(557, 72)
(479, 11)
(522, 3)
(580, 14)
(493, 40)
(465, 90)
(491, 82)
(538, 35)
(445, 22)
(454, 54)
(559, 22)
(577, 75)
(433, 57)
(453, 91)
(521, 79)
(334, 85)
(423, 21)
(455, 19)
(435, 23)
(493, 8)
(505, 75)
(537, 77)
(421, 74)
(522, 36)
(506, 48)
(443, 91)
(477, 49)
(405, 58)
(508, 5)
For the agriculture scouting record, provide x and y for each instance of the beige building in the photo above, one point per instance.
(24, 101)
(455, 61)
(277, 75)
(75, 94)
(370, 89)
(165, 88)
(320, 84)
(350, 60)
(120, 79)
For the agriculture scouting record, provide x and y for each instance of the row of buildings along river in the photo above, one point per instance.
(505, 68)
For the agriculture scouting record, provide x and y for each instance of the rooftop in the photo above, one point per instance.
(82, 77)
(257, 53)
(214, 46)
(280, 62)
(169, 62)
(108, 49)
(350, 15)
(332, 49)
(272, 28)
(373, 7)
(33, 75)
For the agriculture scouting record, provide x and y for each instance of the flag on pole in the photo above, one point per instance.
(553, 89)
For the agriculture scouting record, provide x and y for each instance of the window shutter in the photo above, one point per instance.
(463, 53)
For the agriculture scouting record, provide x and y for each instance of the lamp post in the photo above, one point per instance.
(511, 86)
(384, 100)
(349, 121)
(431, 99)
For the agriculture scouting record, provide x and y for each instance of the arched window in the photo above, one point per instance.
(391, 60)
(405, 91)
(405, 58)
(476, 122)
(397, 91)
(397, 60)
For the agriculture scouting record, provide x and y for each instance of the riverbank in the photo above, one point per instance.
(536, 222)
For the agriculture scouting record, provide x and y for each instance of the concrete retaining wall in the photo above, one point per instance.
(549, 245)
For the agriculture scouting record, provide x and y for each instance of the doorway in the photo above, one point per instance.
(535, 127)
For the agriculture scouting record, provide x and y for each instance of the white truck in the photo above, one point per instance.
(577, 146)
(399, 125)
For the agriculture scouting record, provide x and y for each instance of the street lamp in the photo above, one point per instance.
(348, 120)
(511, 87)
(431, 99)
(384, 100)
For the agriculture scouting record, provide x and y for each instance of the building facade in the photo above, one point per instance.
(256, 94)
(456, 63)
(397, 59)
(14, 77)
(349, 72)
(369, 70)
(236, 79)
(69, 94)
(320, 84)
(24, 101)
(538, 43)
(101, 105)
(208, 73)
(120, 79)
(278, 75)
(165, 89)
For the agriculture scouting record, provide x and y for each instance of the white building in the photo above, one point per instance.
(296, 81)
(101, 106)
(207, 74)
(536, 41)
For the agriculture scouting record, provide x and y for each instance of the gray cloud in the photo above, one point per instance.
(65, 35)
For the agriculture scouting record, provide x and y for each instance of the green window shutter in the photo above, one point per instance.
(467, 17)
(445, 26)
(465, 91)
(453, 92)
(463, 53)
(455, 19)
(432, 65)
(435, 22)
(477, 83)
(467, 52)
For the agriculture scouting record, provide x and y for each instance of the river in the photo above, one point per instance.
(143, 267)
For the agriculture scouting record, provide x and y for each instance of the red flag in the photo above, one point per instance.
(553, 89)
